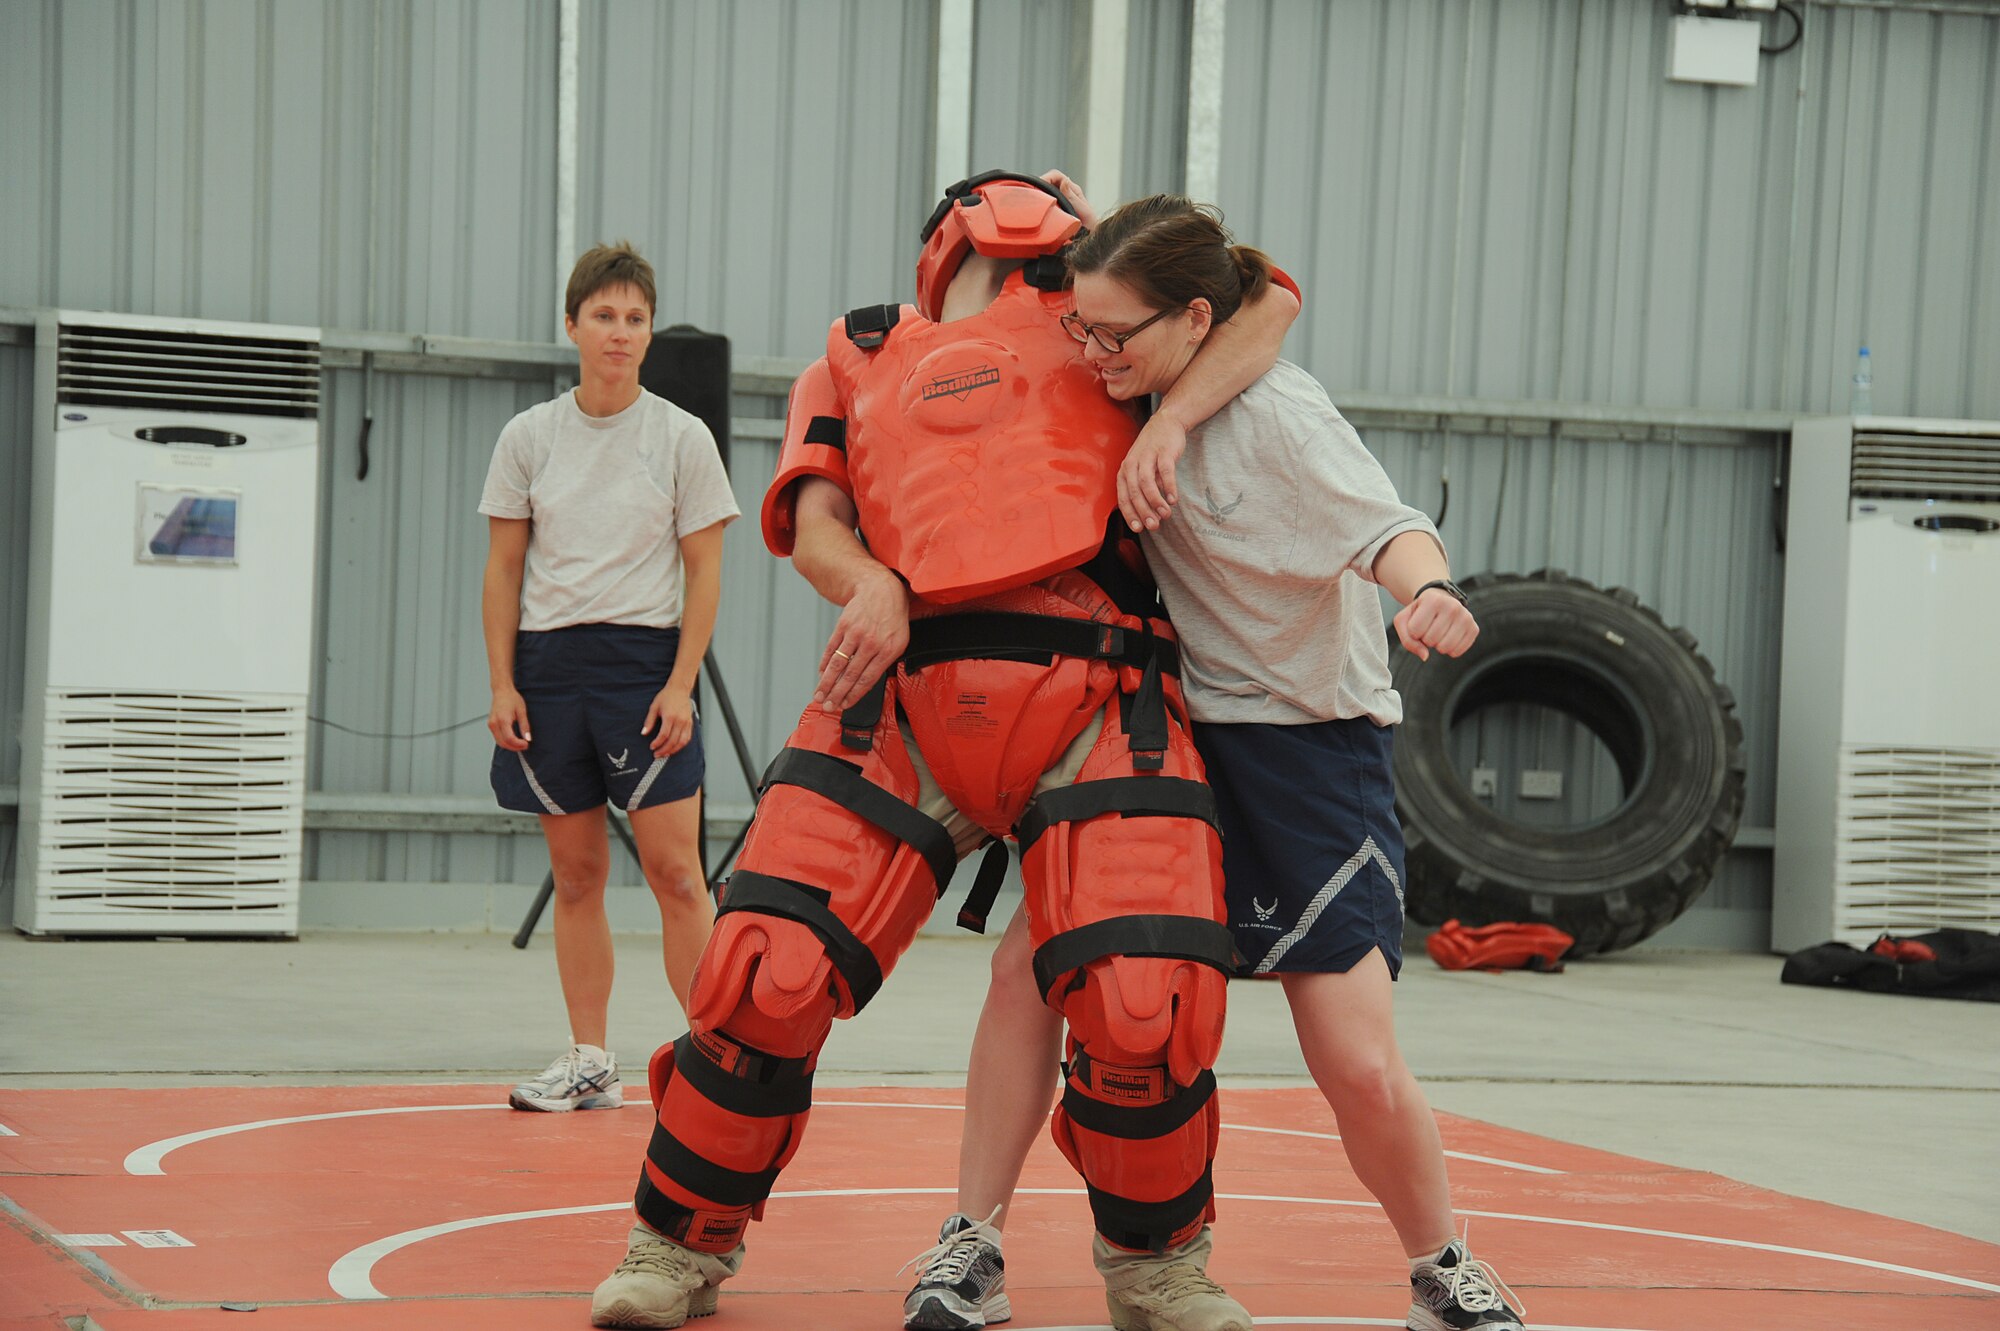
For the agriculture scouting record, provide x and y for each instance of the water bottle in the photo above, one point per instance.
(1861, 398)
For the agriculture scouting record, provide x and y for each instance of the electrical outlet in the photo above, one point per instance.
(1485, 783)
(1540, 784)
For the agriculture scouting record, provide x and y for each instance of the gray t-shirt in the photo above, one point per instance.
(609, 499)
(1267, 562)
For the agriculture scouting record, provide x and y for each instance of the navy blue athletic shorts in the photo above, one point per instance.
(1312, 854)
(587, 688)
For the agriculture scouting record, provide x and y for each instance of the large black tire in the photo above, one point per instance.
(1645, 691)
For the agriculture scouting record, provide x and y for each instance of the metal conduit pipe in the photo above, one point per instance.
(368, 264)
(566, 61)
(1961, 8)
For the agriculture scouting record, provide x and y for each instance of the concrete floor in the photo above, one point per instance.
(1701, 1060)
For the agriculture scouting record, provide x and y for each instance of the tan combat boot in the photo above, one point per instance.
(660, 1283)
(1168, 1291)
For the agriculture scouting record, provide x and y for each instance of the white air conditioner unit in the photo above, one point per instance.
(175, 498)
(1888, 799)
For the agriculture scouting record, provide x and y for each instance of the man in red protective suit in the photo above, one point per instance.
(1000, 670)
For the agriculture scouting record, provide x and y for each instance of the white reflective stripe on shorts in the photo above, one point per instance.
(536, 786)
(645, 784)
(1341, 878)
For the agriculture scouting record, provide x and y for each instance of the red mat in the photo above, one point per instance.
(433, 1206)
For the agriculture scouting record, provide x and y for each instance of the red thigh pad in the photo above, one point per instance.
(1116, 867)
(823, 895)
(1124, 881)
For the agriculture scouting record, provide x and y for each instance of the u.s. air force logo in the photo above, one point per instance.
(962, 384)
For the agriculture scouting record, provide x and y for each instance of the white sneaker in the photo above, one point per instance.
(1455, 1291)
(580, 1079)
(962, 1282)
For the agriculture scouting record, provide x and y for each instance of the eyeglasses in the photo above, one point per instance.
(1105, 338)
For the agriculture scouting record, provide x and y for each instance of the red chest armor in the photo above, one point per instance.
(982, 453)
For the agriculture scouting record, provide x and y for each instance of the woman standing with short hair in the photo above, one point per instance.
(605, 513)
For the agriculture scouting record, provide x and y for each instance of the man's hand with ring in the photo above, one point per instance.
(874, 629)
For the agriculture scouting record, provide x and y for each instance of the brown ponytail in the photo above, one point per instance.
(1253, 271)
(1172, 250)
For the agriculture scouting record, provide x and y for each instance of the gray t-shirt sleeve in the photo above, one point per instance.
(1353, 505)
(510, 474)
(702, 496)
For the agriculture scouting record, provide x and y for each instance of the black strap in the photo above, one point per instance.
(1006, 636)
(1187, 937)
(1148, 1226)
(828, 430)
(985, 888)
(1047, 272)
(1145, 717)
(724, 1187)
(790, 899)
(1132, 796)
(1129, 590)
(841, 783)
(857, 723)
(1138, 1122)
(739, 1094)
(868, 327)
(747, 1061)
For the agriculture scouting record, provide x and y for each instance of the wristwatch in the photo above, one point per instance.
(1445, 585)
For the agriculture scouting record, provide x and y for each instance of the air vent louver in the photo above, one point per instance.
(163, 803)
(1925, 466)
(1919, 841)
(143, 367)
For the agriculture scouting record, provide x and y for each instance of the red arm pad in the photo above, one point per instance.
(815, 433)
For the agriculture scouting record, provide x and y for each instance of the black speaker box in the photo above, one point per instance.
(690, 369)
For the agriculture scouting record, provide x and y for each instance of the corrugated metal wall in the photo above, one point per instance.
(1509, 200)
(1503, 200)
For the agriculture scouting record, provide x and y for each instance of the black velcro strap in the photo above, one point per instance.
(746, 1061)
(828, 430)
(1132, 796)
(740, 1094)
(1149, 1226)
(764, 894)
(715, 1231)
(1186, 937)
(1130, 590)
(1138, 1122)
(703, 1177)
(868, 327)
(837, 781)
(1146, 719)
(985, 888)
(1047, 272)
(857, 723)
(1003, 636)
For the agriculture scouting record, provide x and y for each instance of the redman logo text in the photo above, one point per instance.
(962, 384)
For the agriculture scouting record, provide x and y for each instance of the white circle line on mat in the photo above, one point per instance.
(150, 1158)
(147, 1159)
(351, 1275)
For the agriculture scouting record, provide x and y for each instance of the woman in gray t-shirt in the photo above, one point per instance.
(1269, 569)
(605, 509)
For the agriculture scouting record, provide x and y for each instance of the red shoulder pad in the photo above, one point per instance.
(1284, 279)
(815, 445)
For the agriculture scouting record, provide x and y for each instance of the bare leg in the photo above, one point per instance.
(668, 836)
(1010, 1084)
(1347, 1033)
(581, 860)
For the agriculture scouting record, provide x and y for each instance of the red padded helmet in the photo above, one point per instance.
(998, 213)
